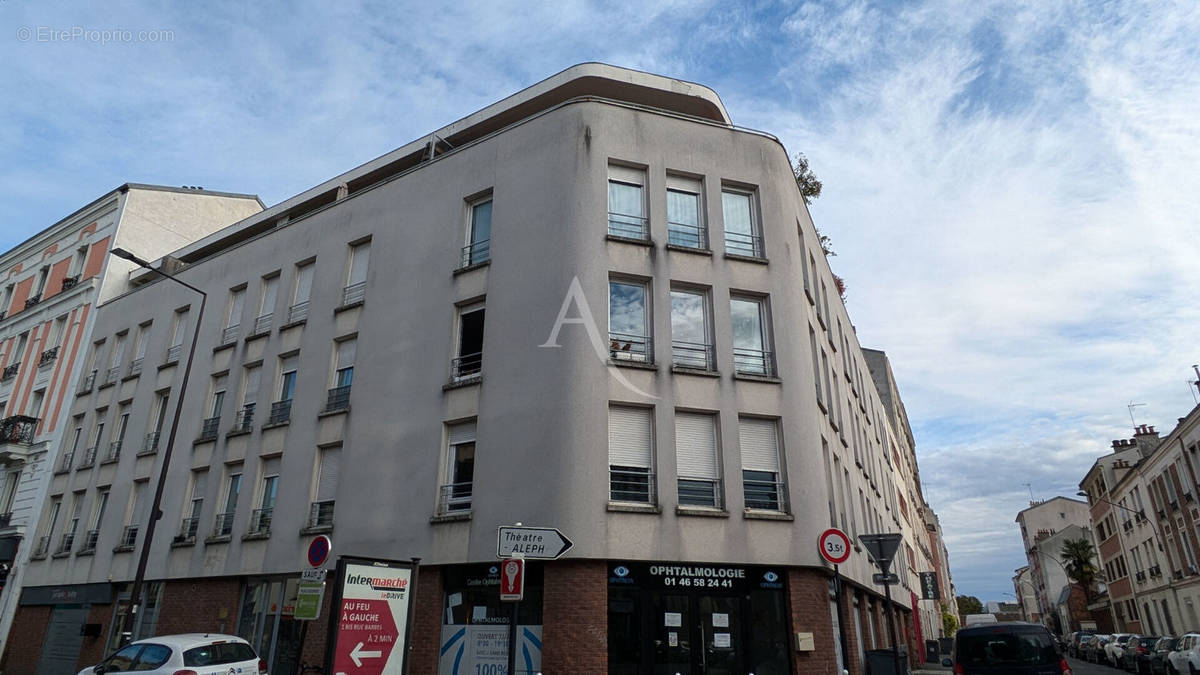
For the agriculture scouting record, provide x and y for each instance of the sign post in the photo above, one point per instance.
(369, 632)
(882, 548)
(311, 590)
(835, 547)
(512, 589)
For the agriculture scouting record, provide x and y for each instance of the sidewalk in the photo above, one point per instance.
(932, 669)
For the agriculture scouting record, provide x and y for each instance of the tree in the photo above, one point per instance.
(810, 188)
(949, 621)
(1077, 556)
(969, 604)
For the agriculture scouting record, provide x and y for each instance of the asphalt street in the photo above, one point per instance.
(1081, 667)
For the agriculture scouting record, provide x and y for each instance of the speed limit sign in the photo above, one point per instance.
(835, 546)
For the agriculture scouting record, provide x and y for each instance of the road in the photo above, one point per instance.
(1081, 667)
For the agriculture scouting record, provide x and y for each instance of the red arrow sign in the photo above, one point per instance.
(512, 580)
(371, 620)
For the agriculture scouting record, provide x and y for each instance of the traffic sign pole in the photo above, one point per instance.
(835, 547)
(837, 587)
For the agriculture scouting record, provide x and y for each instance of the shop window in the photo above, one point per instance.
(475, 621)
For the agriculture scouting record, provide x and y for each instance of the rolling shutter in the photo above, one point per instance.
(759, 440)
(199, 484)
(629, 436)
(460, 433)
(345, 353)
(327, 480)
(696, 445)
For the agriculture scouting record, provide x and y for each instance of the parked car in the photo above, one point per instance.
(1008, 648)
(1158, 656)
(1115, 649)
(1093, 649)
(1137, 653)
(200, 654)
(1185, 659)
(1075, 642)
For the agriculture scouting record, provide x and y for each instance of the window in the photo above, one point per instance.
(751, 348)
(343, 375)
(57, 332)
(817, 377)
(260, 519)
(298, 311)
(93, 532)
(68, 536)
(629, 322)
(43, 544)
(356, 274)
(158, 418)
(11, 480)
(691, 331)
(137, 503)
(697, 459)
(233, 487)
(742, 236)
(141, 341)
(212, 423)
(460, 467)
(233, 315)
(469, 360)
(114, 446)
(629, 454)
(479, 233)
(329, 464)
(685, 224)
(281, 409)
(266, 304)
(178, 328)
(89, 456)
(118, 353)
(192, 510)
(627, 203)
(761, 476)
(250, 383)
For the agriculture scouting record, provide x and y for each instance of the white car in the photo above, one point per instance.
(1185, 658)
(190, 654)
(1116, 647)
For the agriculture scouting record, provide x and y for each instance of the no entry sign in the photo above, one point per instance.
(369, 627)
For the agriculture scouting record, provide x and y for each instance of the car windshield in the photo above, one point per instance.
(1004, 647)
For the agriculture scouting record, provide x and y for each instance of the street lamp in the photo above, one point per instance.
(135, 594)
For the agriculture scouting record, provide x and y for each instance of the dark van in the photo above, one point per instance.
(1011, 648)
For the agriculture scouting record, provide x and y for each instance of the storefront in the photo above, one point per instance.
(697, 618)
(267, 622)
(475, 622)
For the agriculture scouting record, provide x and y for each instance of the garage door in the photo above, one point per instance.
(64, 637)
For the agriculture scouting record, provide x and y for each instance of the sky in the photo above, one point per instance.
(1012, 188)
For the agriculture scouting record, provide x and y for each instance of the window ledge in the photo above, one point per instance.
(256, 536)
(254, 336)
(821, 320)
(41, 556)
(318, 529)
(131, 377)
(684, 370)
(704, 511)
(60, 554)
(146, 453)
(186, 543)
(331, 413)
(450, 517)
(474, 266)
(760, 514)
(233, 433)
(87, 553)
(638, 365)
(630, 240)
(809, 295)
(114, 460)
(348, 306)
(168, 364)
(227, 345)
(276, 425)
(292, 324)
(105, 385)
(465, 382)
(122, 549)
(821, 405)
(61, 472)
(768, 379)
(83, 392)
(627, 507)
(690, 249)
(218, 539)
(204, 439)
(746, 258)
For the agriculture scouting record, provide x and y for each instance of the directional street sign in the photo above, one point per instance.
(535, 543)
(889, 580)
(371, 618)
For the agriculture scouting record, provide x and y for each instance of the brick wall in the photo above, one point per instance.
(427, 623)
(199, 605)
(575, 617)
(92, 649)
(808, 604)
(25, 640)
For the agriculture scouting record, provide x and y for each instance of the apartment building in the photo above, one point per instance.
(595, 305)
(51, 284)
(1044, 526)
(1026, 593)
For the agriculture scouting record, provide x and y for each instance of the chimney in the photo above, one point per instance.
(1146, 439)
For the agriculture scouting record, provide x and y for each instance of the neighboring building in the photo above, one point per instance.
(51, 283)
(1026, 593)
(1039, 523)
(396, 358)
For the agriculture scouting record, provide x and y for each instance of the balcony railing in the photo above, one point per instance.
(629, 347)
(112, 374)
(223, 526)
(1174, 504)
(89, 541)
(18, 429)
(260, 521)
(188, 529)
(209, 428)
(114, 451)
(1187, 497)
(64, 464)
(748, 245)
(1155, 571)
(33, 300)
(631, 484)
(10, 371)
(263, 323)
(467, 365)
(230, 334)
(754, 362)
(173, 353)
(695, 355)
(354, 293)
(474, 254)
(66, 542)
(338, 398)
(69, 282)
(764, 494)
(43, 547)
(699, 491)
(687, 236)
(135, 366)
(5, 519)
(129, 536)
(281, 412)
(1127, 525)
(1140, 576)
(89, 457)
(244, 420)
(48, 356)
(454, 498)
(150, 443)
(627, 226)
(320, 514)
(298, 312)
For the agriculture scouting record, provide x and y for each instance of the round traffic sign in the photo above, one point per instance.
(835, 546)
(318, 550)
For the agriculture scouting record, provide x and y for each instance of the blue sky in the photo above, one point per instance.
(1012, 187)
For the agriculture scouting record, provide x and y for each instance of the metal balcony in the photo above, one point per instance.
(10, 371)
(338, 399)
(687, 236)
(223, 526)
(631, 484)
(475, 254)
(629, 347)
(112, 374)
(89, 458)
(281, 412)
(243, 422)
(454, 498)
(699, 491)
(320, 514)
(48, 357)
(129, 536)
(89, 541)
(208, 429)
(173, 353)
(42, 548)
(467, 366)
(114, 451)
(69, 282)
(187, 530)
(263, 323)
(67, 541)
(746, 245)
(260, 521)
(230, 334)
(16, 437)
(628, 226)
(754, 362)
(765, 495)
(32, 300)
(150, 444)
(694, 355)
(354, 294)
(298, 312)
(89, 381)
(135, 366)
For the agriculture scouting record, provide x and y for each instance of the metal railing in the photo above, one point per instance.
(18, 429)
(33, 300)
(338, 398)
(1155, 571)
(6, 519)
(89, 457)
(223, 526)
(753, 362)
(89, 541)
(230, 334)
(66, 542)
(48, 356)
(281, 411)
(687, 236)
(129, 536)
(244, 420)
(173, 353)
(631, 484)
(209, 428)
(467, 365)
(627, 226)
(263, 323)
(64, 465)
(260, 521)
(764, 494)
(298, 312)
(114, 451)
(69, 282)
(320, 514)
(739, 243)
(455, 498)
(112, 374)
(89, 381)
(150, 444)
(476, 253)
(1140, 576)
(354, 293)
(694, 355)
(699, 491)
(135, 366)
(628, 347)
(10, 371)
(43, 547)
(188, 529)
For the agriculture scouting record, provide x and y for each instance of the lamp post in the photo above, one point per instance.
(135, 594)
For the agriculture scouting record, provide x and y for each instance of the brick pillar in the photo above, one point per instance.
(427, 623)
(25, 640)
(808, 604)
(91, 650)
(575, 617)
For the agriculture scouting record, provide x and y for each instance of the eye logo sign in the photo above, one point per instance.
(770, 577)
(621, 571)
